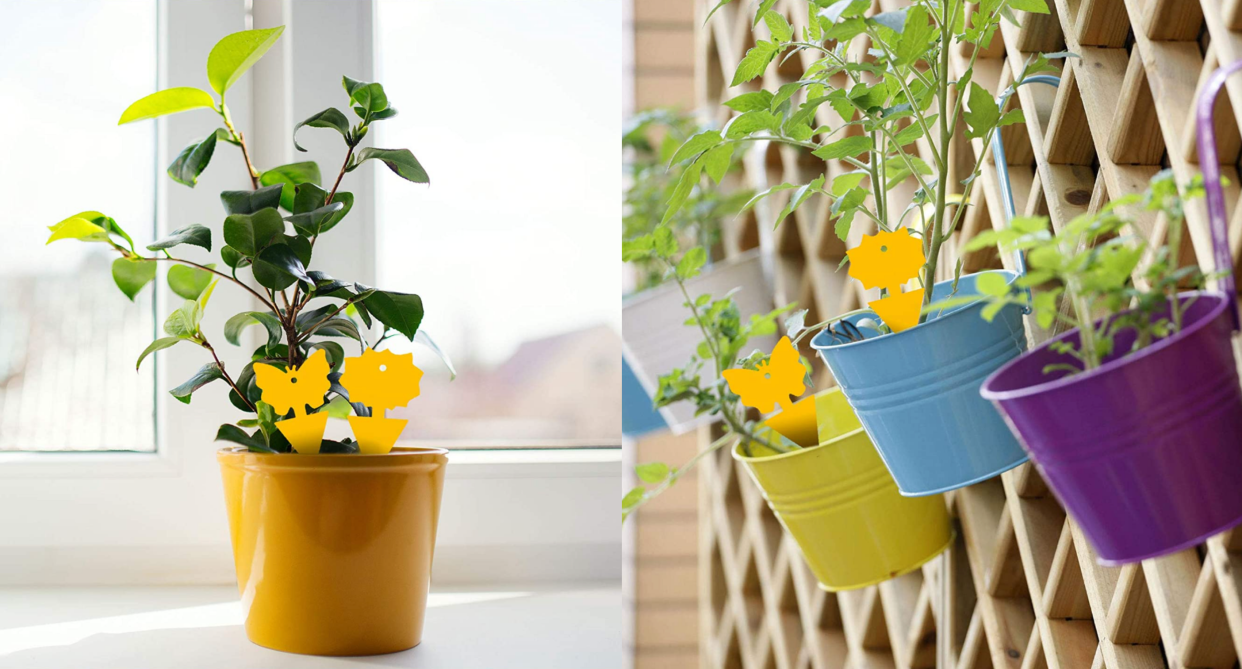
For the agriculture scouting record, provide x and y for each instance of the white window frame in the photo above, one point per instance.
(135, 518)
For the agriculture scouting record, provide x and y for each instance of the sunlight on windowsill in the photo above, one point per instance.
(224, 614)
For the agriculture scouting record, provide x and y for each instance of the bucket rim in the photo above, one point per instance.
(398, 457)
(969, 307)
(742, 457)
(1222, 303)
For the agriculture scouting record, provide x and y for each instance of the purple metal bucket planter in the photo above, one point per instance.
(1144, 451)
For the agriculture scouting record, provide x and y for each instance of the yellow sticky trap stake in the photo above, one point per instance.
(771, 383)
(296, 389)
(888, 260)
(381, 380)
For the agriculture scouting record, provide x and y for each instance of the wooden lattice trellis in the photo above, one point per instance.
(1023, 586)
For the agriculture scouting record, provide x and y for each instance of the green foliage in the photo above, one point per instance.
(233, 55)
(889, 101)
(726, 334)
(1087, 274)
(167, 101)
(658, 142)
(303, 309)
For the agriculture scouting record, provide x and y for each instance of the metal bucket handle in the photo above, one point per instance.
(1209, 164)
(1002, 176)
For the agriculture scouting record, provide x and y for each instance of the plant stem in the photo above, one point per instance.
(241, 141)
(226, 376)
(679, 472)
(725, 412)
(932, 242)
(348, 155)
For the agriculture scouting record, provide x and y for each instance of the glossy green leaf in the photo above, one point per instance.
(291, 175)
(402, 312)
(80, 227)
(308, 197)
(131, 275)
(249, 234)
(366, 97)
(236, 435)
(347, 200)
(281, 258)
(250, 201)
(233, 326)
(189, 282)
(208, 373)
(157, 345)
(328, 118)
(400, 161)
(717, 160)
(232, 56)
(233, 258)
(311, 223)
(195, 234)
(167, 101)
(192, 161)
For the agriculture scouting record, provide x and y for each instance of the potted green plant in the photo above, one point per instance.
(1133, 414)
(652, 336)
(885, 119)
(813, 462)
(333, 550)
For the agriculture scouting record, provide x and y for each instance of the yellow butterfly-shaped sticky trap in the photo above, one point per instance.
(888, 260)
(771, 383)
(295, 389)
(381, 380)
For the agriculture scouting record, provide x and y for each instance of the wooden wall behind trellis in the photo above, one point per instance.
(1023, 585)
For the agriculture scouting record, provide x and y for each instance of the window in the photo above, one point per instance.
(68, 338)
(523, 162)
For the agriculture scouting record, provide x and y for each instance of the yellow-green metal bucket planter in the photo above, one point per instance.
(840, 503)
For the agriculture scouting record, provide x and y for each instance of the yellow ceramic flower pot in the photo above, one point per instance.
(838, 501)
(333, 552)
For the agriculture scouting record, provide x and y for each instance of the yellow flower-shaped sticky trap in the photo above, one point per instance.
(770, 384)
(888, 260)
(295, 389)
(381, 380)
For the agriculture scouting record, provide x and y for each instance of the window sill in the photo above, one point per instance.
(569, 625)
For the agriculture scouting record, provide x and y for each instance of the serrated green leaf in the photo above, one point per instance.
(652, 472)
(843, 148)
(695, 145)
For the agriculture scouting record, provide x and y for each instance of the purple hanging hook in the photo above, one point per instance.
(1209, 163)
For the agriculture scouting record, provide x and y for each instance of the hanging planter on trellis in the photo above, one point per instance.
(917, 390)
(837, 500)
(1144, 450)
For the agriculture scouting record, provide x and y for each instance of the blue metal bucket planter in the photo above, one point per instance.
(917, 391)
